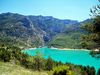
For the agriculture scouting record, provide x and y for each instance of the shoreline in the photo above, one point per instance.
(30, 48)
(59, 49)
(65, 49)
(69, 49)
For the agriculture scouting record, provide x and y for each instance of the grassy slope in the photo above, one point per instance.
(12, 69)
(71, 40)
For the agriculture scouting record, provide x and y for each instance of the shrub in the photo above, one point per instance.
(61, 70)
(5, 55)
(49, 64)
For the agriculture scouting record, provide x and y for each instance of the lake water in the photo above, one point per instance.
(79, 57)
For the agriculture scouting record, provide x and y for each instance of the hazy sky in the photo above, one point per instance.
(62, 9)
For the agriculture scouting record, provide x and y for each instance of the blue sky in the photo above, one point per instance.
(62, 9)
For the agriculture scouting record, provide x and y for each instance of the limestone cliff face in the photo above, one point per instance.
(19, 30)
(32, 30)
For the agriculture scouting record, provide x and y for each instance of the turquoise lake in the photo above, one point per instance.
(79, 57)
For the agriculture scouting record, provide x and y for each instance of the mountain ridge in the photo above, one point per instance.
(33, 30)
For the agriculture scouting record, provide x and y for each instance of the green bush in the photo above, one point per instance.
(5, 55)
(88, 70)
(60, 70)
(39, 62)
(11, 53)
(49, 64)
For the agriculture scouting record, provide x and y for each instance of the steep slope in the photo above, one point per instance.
(32, 31)
(19, 30)
(50, 25)
(71, 38)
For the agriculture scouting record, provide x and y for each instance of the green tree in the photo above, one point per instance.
(49, 64)
(5, 54)
(93, 29)
(38, 62)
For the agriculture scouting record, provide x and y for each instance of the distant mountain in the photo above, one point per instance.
(18, 30)
(51, 26)
(32, 30)
(86, 21)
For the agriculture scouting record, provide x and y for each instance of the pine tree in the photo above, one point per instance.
(92, 39)
(49, 64)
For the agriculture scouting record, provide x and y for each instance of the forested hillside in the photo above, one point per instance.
(35, 31)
